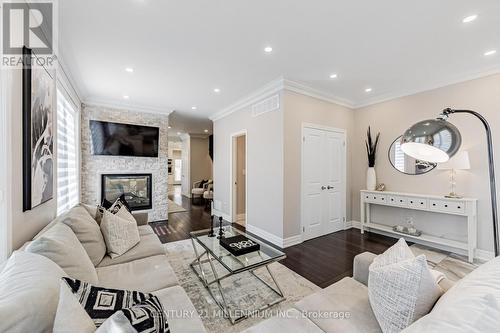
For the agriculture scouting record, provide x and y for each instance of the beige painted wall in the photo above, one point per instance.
(240, 174)
(264, 167)
(201, 163)
(393, 117)
(299, 109)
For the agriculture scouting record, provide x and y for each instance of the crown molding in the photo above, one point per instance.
(268, 89)
(316, 93)
(127, 107)
(277, 86)
(437, 85)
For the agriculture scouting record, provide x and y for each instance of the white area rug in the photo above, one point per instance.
(243, 290)
(174, 208)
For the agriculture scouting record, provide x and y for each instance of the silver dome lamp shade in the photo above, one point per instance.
(436, 140)
(432, 140)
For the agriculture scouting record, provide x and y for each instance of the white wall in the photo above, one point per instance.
(393, 117)
(264, 167)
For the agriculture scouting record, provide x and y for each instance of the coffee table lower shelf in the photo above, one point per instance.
(197, 267)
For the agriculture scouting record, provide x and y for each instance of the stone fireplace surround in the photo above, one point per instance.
(93, 167)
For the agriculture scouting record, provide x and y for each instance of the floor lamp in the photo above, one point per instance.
(436, 140)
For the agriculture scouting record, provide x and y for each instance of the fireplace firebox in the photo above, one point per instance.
(137, 188)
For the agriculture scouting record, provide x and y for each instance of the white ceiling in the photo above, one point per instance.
(181, 50)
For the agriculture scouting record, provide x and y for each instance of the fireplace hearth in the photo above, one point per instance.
(137, 188)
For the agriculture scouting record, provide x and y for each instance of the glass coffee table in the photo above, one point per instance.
(213, 253)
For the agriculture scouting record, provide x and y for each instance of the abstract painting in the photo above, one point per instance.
(38, 133)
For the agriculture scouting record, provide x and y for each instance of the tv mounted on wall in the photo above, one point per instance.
(118, 139)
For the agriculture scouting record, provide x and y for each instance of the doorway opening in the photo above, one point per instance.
(239, 177)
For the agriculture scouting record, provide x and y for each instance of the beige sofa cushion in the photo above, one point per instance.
(471, 305)
(87, 231)
(145, 230)
(181, 314)
(146, 275)
(148, 246)
(345, 296)
(292, 321)
(119, 234)
(29, 291)
(60, 245)
(71, 317)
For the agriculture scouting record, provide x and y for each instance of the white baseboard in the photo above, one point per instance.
(291, 241)
(225, 216)
(352, 224)
(484, 255)
(278, 241)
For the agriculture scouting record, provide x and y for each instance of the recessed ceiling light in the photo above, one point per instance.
(491, 52)
(216, 90)
(469, 18)
(333, 76)
(368, 90)
(126, 96)
(268, 49)
(129, 69)
(178, 133)
(193, 108)
(169, 127)
(206, 131)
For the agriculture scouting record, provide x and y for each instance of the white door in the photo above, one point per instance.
(323, 182)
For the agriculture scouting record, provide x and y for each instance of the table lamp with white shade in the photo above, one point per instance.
(458, 162)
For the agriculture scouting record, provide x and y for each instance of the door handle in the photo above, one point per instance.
(330, 187)
(323, 188)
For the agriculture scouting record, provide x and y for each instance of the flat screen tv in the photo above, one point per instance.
(118, 139)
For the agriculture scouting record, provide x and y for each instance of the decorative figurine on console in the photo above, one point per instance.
(211, 233)
(221, 229)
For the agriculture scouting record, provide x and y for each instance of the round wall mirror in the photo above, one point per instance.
(406, 164)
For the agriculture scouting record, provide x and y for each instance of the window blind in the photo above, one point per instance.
(68, 171)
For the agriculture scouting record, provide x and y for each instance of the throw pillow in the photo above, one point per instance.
(71, 316)
(119, 234)
(124, 213)
(29, 290)
(119, 203)
(99, 213)
(143, 311)
(60, 245)
(401, 288)
(147, 316)
(88, 233)
(106, 203)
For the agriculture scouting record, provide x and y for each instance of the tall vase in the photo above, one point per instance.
(371, 179)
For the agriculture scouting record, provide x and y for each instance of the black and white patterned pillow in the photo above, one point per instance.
(118, 204)
(143, 310)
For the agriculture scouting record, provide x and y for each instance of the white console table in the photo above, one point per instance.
(463, 207)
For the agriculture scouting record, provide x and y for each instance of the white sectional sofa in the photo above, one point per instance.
(472, 305)
(144, 268)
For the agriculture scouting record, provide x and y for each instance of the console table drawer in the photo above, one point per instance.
(415, 202)
(376, 198)
(397, 200)
(448, 206)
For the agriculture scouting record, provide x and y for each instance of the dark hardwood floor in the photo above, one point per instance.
(328, 259)
(323, 260)
(180, 224)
